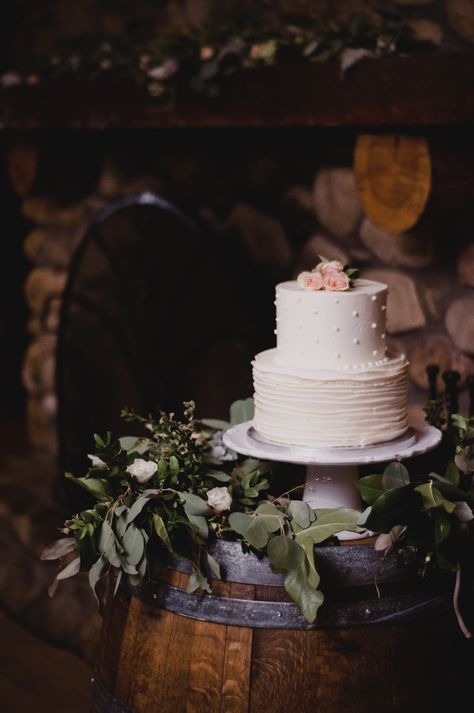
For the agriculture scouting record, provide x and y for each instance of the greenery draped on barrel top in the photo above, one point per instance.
(163, 496)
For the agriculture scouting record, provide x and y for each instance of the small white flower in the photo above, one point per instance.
(96, 462)
(142, 469)
(219, 499)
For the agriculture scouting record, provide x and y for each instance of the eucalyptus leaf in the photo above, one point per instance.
(248, 467)
(220, 476)
(118, 579)
(198, 581)
(70, 570)
(395, 475)
(370, 488)
(284, 553)
(269, 516)
(301, 513)
(194, 505)
(328, 523)
(256, 535)
(139, 504)
(95, 574)
(215, 423)
(59, 548)
(303, 594)
(134, 444)
(106, 544)
(313, 575)
(200, 525)
(240, 522)
(161, 530)
(134, 544)
(241, 411)
(214, 565)
(95, 486)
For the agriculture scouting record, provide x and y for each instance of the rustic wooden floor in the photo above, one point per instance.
(38, 678)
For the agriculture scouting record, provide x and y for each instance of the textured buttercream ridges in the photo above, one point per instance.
(319, 412)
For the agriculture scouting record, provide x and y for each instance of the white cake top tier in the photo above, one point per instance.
(331, 330)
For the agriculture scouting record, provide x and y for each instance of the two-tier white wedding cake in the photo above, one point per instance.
(330, 381)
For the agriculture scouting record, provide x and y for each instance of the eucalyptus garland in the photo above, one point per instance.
(166, 494)
(203, 61)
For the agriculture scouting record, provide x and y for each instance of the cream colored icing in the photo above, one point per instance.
(330, 381)
(321, 329)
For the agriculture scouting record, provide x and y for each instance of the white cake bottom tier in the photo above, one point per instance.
(327, 408)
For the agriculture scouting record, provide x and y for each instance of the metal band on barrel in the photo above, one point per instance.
(286, 615)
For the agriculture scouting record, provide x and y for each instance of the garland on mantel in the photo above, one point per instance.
(205, 61)
(168, 493)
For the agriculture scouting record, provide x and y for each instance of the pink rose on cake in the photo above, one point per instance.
(336, 281)
(330, 267)
(327, 275)
(310, 280)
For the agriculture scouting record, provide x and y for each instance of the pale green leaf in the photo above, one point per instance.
(161, 530)
(240, 522)
(198, 581)
(395, 475)
(241, 411)
(301, 513)
(256, 535)
(59, 548)
(71, 569)
(194, 505)
(214, 565)
(284, 553)
(95, 486)
(303, 594)
(133, 544)
(328, 523)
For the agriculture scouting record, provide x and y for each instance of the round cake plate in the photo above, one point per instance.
(331, 472)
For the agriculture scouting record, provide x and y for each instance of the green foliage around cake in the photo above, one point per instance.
(164, 496)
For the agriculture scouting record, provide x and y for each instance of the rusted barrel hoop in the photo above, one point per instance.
(286, 615)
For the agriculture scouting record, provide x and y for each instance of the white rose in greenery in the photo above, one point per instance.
(142, 469)
(219, 499)
(96, 462)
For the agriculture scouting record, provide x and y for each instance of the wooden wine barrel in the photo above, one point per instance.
(383, 641)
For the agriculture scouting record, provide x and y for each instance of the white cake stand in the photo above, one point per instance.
(331, 472)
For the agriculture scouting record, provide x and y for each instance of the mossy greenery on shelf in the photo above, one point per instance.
(166, 494)
(203, 60)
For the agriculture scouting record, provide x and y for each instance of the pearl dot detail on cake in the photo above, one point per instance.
(384, 307)
(337, 329)
(356, 341)
(374, 297)
(374, 325)
(375, 352)
(336, 301)
(355, 313)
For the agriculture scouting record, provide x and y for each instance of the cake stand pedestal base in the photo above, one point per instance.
(329, 486)
(331, 472)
